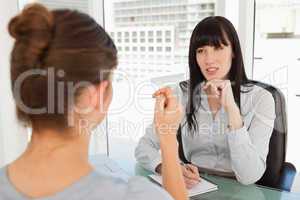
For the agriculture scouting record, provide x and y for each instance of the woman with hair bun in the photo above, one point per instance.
(61, 67)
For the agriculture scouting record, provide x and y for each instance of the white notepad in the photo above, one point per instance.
(202, 187)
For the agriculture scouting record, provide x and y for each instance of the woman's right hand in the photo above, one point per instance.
(168, 113)
(190, 174)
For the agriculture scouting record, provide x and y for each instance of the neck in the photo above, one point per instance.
(53, 160)
(66, 148)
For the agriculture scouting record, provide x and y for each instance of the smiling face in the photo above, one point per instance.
(214, 62)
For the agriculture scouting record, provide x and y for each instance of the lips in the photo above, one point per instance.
(212, 69)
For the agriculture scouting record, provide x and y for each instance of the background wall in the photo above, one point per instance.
(13, 137)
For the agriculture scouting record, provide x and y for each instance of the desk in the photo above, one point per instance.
(228, 189)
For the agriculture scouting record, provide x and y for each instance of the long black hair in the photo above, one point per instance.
(213, 31)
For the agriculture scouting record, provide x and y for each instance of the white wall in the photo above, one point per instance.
(96, 10)
(246, 33)
(12, 136)
(241, 14)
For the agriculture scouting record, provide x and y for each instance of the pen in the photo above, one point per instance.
(191, 170)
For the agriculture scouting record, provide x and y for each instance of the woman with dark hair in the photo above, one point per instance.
(228, 121)
(61, 67)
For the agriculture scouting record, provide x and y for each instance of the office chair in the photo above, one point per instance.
(279, 174)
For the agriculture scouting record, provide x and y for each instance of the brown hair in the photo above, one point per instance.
(69, 43)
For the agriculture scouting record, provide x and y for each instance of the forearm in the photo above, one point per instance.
(234, 117)
(249, 167)
(249, 144)
(173, 180)
(248, 163)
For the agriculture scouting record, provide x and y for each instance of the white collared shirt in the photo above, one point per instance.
(242, 152)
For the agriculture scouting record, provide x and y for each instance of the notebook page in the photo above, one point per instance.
(203, 186)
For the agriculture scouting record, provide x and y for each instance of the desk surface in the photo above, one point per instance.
(228, 189)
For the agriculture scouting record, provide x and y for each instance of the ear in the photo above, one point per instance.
(102, 98)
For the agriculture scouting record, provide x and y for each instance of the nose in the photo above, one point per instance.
(209, 56)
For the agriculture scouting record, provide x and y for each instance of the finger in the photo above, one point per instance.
(188, 186)
(222, 87)
(193, 168)
(160, 103)
(171, 101)
(221, 84)
(214, 90)
(211, 85)
(190, 182)
(157, 93)
(206, 85)
(167, 93)
(165, 90)
(190, 175)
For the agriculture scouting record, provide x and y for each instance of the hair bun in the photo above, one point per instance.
(32, 29)
(34, 21)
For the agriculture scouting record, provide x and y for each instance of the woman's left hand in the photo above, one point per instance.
(222, 90)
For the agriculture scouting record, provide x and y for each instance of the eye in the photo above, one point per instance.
(219, 48)
(200, 50)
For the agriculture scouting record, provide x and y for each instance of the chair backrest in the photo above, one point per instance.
(277, 145)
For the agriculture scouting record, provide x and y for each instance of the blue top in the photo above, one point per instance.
(93, 186)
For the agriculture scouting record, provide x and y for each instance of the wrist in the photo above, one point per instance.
(170, 143)
(166, 130)
(169, 149)
(234, 118)
(231, 108)
(166, 135)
